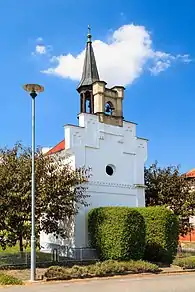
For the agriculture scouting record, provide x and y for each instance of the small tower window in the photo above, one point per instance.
(108, 108)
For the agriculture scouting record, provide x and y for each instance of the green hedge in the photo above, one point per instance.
(101, 269)
(117, 233)
(162, 231)
(185, 263)
(9, 280)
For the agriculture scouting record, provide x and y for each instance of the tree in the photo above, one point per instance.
(166, 186)
(60, 192)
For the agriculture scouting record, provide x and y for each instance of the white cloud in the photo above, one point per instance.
(120, 60)
(162, 61)
(39, 40)
(41, 49)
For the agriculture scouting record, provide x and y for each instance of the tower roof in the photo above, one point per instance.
(90, 72)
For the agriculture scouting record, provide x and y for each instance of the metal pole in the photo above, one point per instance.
(33, 89)
(33, 239)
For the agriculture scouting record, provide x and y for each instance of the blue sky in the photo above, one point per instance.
(162, 104)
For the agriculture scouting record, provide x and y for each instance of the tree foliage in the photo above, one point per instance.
(166, 186)
(60, 191)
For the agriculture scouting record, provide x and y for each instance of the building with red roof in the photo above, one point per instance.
(57, 148)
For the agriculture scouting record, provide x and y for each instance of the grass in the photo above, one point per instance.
(185, 259)
(100, 269)
(6, 279)
(12, 257)
(185, 262)
(14, 249)
(23, 259)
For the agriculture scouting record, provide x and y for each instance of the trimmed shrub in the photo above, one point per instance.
(101, 269)
(162, 232)
(9, 280)
(185, 263)
(117, 233)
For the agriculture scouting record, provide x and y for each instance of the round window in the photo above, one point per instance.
(109, 169)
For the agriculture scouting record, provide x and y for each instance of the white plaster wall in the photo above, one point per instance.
(192, 220)
(49, 242)
(96, 145)
(45, 149)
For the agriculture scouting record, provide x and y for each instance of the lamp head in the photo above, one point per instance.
(33, 88)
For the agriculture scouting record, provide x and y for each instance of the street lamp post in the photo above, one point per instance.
(33, 90)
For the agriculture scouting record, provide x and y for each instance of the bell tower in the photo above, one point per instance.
(89, 76)
(95, 97)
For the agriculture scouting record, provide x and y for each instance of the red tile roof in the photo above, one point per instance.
(57, 148)
(191, 173)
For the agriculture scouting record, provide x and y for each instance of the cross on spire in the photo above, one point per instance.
(90, 72)
(89, 34)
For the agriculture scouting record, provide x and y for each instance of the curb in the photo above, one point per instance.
(112, 277)
(178, 272)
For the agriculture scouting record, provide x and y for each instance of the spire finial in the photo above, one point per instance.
(90, 71)
(89, 34)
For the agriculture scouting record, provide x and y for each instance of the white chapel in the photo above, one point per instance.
(106, 142)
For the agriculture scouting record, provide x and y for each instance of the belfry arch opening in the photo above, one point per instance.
(108, 108)
(87, 102)
(88, 109)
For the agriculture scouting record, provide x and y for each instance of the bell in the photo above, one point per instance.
(108, 109)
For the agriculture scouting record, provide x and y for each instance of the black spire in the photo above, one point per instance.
(90, 72)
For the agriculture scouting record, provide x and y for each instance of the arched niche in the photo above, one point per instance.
(108, 108)
(86, 102)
